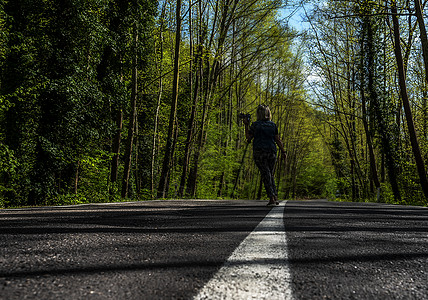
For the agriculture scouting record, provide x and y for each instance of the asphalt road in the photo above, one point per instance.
(357, 251)
(172, 249)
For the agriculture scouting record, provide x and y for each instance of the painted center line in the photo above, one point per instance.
(258, 268)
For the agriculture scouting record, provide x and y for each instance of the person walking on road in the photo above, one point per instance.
(266, 138)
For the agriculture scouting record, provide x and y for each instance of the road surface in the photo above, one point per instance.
(215, 250)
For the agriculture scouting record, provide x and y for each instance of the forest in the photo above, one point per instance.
(119, 100)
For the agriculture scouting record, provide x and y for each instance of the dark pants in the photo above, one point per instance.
(265, 161)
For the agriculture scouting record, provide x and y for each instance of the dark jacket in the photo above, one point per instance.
(264, 133)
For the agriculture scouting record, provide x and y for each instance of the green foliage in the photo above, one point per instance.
(331, 189)
(93, 172)
(361, 51)
(8, 170)
(66, 74)
(219, 163)
(55, 110)
(316, 176)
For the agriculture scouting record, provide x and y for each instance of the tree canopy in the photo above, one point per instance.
(105, 100)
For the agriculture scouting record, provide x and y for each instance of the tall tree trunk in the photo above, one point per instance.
(76, 177)
(389, 161)
(138, 181)
(194, 88)
(190, 125)
(423, 35)
(372, 158)
(116, 147)
(173, 113)
(424, 42)
(132, 123)
(160, 86)
(372, 92)
(193, 174)
(155, 133)
(406, 103)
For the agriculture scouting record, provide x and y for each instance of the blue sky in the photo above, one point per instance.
(295, 17)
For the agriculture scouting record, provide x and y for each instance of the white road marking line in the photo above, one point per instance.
(258, 268)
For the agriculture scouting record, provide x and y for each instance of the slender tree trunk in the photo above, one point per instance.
(194, 88)
(406, 103)
(155, 133)
(76, 177)
(294, 176)
(423, 35)
(173, 113)
(352, 134)
(425, 114)
(116, 147)
(137, 157)
(190, 125)
(132, 123)
(424, 42)
(372, 92)
(389, 160)
(160, 85)
(193, 174)
(372, 158)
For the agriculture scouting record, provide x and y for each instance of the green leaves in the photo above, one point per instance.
(65, 98)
